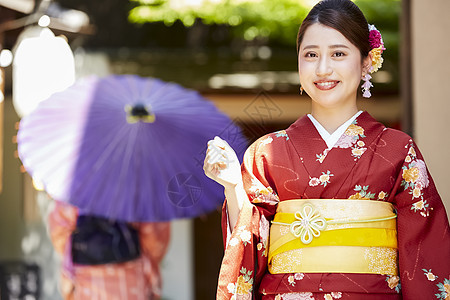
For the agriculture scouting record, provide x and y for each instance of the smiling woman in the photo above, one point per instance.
(333, 45)
(330, 69)
(337, 206)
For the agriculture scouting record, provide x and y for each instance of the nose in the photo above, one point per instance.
(323, 67)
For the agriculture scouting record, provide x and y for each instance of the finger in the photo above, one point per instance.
(225, 143)
(216, 154)
(209, 161)
(210, 171)
(220, 143)
(208, 151)
(221, 165)
(215, 144)
(205, 161)
(212, 145)
(211, 150)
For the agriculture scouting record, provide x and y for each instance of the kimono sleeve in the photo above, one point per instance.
(62, 221)
(154, 239)
(423, 232)
(245, 258)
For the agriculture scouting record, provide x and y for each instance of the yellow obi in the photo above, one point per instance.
(333, 236)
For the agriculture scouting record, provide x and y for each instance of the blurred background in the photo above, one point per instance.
(241, 55)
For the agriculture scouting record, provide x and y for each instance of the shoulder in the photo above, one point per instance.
(397, 134)
(276, 137)
(267, 141)
(400, 143)
(392, 137)
(397, 137)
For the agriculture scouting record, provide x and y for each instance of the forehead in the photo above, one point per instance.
(324, 36)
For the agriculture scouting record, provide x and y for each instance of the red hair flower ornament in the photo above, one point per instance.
(377, 46)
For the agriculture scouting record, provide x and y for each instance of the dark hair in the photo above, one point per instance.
(342, 15)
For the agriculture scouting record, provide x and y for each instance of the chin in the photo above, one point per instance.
(328, 101)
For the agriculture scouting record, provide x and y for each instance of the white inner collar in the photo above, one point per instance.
(331, 139)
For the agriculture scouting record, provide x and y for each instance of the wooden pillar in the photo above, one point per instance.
(2, 91)
(406, 68)
(430, 48)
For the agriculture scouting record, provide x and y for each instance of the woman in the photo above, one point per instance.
(130, 279)
(350, 206)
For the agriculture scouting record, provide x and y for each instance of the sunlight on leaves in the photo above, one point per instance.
(252, 19)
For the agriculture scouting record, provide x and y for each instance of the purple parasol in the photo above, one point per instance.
(127, 148)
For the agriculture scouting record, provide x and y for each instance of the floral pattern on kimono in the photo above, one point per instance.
(415, 179)
(386, 166)
(352, 138)
(444, 289)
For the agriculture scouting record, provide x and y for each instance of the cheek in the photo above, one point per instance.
(353, 71)
(356, 68)
(305, 69)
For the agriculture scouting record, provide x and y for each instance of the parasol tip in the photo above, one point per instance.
(139, 112)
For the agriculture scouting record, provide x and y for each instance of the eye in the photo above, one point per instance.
(310, 54)
(338, 54)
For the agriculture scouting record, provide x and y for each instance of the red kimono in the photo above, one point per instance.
(369, 162)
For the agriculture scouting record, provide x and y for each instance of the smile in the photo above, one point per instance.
(326, 85)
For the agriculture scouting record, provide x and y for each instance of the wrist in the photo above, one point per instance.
(233, 186)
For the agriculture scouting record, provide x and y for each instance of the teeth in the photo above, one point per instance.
(326, 84)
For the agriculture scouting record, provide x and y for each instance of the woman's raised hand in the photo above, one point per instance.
(221, 163)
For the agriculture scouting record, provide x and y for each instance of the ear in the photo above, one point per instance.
(367, 63)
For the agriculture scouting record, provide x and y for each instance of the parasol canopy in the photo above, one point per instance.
(127, 148)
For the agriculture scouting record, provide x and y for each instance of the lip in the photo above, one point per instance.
(325, 85)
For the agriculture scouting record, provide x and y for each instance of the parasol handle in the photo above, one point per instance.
(139, 113)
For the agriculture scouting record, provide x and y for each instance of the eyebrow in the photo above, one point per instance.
(332, 46)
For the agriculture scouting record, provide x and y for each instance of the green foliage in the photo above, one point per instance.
(248, 19)
(251, 19)
(384, 14)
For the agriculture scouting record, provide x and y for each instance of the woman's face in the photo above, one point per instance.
(330, 68)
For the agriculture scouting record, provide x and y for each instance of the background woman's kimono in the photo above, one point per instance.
(369, 161)
(133, 280)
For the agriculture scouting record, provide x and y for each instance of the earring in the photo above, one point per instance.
(366, 86)
(301, 90)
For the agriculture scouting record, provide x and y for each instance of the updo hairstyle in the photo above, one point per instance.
(342, 15)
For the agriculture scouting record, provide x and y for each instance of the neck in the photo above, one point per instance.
(331, 119)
